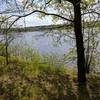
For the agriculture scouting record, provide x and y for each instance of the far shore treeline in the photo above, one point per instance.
(48, 27)
(38, 28)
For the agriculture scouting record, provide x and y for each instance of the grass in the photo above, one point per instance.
(32, 77)
(26, 80)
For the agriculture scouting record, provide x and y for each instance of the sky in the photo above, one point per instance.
(32, 20)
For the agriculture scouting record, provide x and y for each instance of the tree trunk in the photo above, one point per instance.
(6, 48)
(79, 43)
(6, 54)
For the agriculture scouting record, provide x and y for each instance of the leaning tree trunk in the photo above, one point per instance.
(79, 43)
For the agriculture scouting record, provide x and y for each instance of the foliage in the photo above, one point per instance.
(26, 77)
(25, 80)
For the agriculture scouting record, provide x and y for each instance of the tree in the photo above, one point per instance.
(77, 28)
(81, 61)
(7, 38)
(79, 40)
(79, 43)
(78, 35)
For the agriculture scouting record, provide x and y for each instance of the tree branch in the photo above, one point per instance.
(91, 12)
(52, 14)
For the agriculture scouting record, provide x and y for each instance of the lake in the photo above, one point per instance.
(44, 42)
(54, 42)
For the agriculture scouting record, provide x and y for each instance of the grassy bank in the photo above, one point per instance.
(30, 76)
(27, 80)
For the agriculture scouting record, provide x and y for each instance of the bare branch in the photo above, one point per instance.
(52, 14)
(91, 12)
(48, 2)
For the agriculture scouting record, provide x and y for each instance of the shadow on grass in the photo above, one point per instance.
(18, 82)
(90, 90)
(83, 92)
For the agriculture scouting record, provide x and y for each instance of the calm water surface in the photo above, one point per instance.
(43, 43)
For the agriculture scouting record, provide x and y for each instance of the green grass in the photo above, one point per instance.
(26, 80)
(30, 76)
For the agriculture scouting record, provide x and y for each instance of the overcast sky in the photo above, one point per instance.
(32, 20)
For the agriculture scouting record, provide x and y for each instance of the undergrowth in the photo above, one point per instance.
(27, 80)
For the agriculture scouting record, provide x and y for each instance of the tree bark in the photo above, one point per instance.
(79, 43)
(7, 55)
(6, 50)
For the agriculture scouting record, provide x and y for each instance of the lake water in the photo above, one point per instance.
(56, 43)
(52, 42)
(44, 43)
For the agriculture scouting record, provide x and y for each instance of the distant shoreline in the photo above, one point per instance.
(39, 28)
(48, 27)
